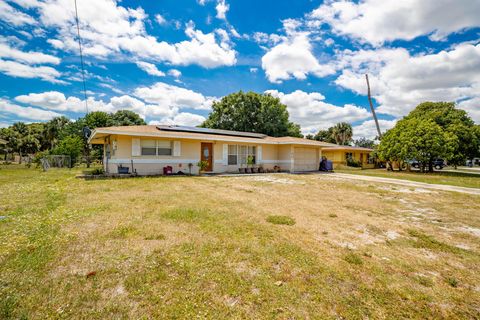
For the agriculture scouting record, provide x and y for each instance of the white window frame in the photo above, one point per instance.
(156, 148)
(242, 153)
(232, 154)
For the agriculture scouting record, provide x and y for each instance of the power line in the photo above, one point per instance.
(81, 57)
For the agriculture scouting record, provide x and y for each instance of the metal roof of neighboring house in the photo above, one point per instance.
(347, 148)
(153, 131)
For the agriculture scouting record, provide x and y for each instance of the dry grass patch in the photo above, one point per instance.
(281, 220)
(203, 247)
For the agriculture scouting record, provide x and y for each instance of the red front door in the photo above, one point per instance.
(207, 155)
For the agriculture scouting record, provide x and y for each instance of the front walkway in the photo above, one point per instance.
(407, 183)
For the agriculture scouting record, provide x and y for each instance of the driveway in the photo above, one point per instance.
(407, 183)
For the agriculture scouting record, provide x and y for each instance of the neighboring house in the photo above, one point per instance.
(150, 148)
(339, 154)
(2, 142)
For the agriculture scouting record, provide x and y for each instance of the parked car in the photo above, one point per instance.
(473, 162)
(438, 164)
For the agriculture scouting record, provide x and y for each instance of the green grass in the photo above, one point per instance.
(202, 247)
(281, 220)
(460, 179)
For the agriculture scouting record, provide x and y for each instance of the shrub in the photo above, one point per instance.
(97, 171)
(353, 258)
(452, 282)
(281, 220)
(353, 163)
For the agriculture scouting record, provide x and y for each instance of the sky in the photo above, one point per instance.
(169, 60)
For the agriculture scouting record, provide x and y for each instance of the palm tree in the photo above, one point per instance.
(342, 132)
(53, 129)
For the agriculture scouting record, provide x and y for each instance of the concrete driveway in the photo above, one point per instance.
(407, 183)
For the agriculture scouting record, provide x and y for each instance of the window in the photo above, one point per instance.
(232, 154)
(164, 148)
(239, 154)
(148, 147)
(349, 155)
(156, 147)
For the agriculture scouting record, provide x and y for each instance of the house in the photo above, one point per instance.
(148, 149)
(339, 155)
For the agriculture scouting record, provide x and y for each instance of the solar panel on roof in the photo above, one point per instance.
(211, 131)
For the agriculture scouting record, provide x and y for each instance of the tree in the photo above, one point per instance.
(325, 135)
(364, 143)
(342, 132)
(126, 118)
(414, 138)
(454, 122)
(252, 112)
(54, 128)
(72, 146)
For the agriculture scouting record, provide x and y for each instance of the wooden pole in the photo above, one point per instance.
(372, 109)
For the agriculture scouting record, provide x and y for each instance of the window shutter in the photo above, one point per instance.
(177, 148)
(225, 154)
(136, 148)
(259, 154)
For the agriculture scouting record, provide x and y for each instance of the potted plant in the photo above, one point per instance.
(202, 165)
(241, 169)
(250, 164)
(122, 169)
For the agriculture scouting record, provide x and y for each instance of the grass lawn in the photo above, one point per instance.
(460, 179)
(273, 246)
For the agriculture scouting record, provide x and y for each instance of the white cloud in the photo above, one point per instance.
(17, 63)
(163, 94)
(378, 21)
(160, 19)
(30, 57)
(14, 16)
(472, 106)
(174, 73)
(16, 69)
(293, 58)
(313, 113)
(264, 38)
(222, 8)
(400, 81)
(182, 119)
(26, 112)
(122, 31)
(168, 109)
(253, 70)
(150, 68)
(368, 129)
(54, 100)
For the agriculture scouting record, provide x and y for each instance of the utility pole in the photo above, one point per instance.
(372, 109)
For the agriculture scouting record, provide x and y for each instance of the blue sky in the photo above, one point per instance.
(169, 60)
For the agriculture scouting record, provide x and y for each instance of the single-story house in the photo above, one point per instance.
(339, 155)
(148, 149)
